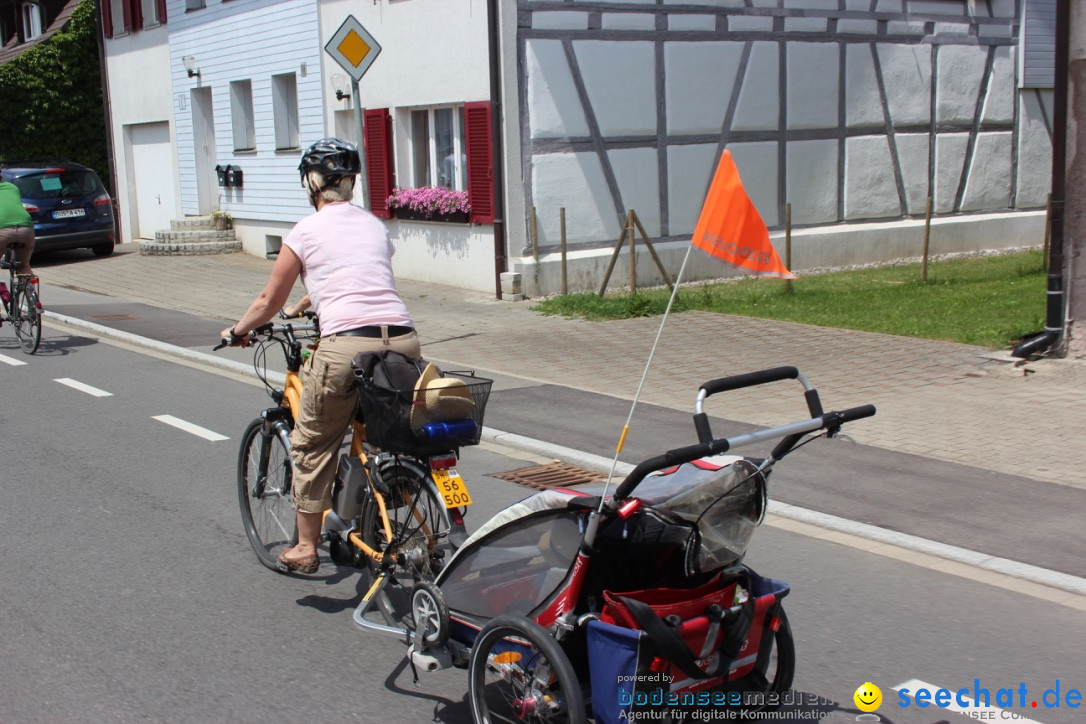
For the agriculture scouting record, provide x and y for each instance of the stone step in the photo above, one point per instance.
(188, 248)
(194, 235)
(195, 223)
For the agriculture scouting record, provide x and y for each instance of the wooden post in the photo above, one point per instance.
(562, 225)
(927, 240)
(628, 230)
(652, 251)
(788, 246)
(532, 229)
(614, 258)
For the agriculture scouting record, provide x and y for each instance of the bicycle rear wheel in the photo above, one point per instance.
(418, 521)
(265, 491)
(26, 317)
(776, 668)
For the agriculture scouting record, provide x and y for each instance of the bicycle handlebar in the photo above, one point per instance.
(790, 435)
(850, 415)
(269, 329)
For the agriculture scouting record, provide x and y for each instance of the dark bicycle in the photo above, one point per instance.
(21, 303)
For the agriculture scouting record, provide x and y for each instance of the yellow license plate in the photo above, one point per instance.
(451, 487)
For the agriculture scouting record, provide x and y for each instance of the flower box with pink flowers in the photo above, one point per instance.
(429, 203)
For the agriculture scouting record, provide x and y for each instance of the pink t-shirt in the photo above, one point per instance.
(347, 268)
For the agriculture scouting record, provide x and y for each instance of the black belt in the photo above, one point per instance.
(374, 331)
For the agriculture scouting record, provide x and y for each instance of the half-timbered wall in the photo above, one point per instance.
(852, 113)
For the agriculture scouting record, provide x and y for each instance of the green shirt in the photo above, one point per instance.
(12, 212)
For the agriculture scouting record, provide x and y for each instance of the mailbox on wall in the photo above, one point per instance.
(229, 176)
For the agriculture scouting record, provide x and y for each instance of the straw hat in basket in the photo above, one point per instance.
(439, 399)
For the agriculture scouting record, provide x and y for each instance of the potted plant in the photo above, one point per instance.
(429, 203)
(221, 220)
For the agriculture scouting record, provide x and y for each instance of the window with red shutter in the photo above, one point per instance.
(107, 17)
(137, 14)
(477, 120)
(126, 15)
(377, 135)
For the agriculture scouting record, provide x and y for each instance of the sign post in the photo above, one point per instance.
(355, 50)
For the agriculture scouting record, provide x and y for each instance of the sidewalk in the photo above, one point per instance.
(940, 400)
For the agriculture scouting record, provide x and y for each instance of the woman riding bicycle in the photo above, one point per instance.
(16, 226)
(344, 256)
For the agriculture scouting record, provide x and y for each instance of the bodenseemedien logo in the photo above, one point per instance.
(868, 698)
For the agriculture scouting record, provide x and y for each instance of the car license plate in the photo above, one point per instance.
(452, 488)
(68, 213)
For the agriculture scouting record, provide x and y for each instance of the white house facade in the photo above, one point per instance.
(141, 119)
(849, 116)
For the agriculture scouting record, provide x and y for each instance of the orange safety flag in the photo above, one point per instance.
(731, 229)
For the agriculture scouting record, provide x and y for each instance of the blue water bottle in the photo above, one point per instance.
(450, 431)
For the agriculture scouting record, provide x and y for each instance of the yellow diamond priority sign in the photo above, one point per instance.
(353, 48)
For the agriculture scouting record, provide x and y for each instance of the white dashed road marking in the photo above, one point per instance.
(11, 361)
(190, 428)
(76, 385)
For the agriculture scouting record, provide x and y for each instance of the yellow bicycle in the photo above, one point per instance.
(396, 513)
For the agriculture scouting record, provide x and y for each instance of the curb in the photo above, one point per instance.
(994, 564)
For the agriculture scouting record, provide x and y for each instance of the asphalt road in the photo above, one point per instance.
(1004, 514)
(129, 592)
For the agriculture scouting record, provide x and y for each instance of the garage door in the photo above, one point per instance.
(154, 176)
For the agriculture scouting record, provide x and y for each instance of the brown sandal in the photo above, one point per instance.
(310, 564)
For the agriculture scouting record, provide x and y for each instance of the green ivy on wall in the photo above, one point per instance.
(51, 98)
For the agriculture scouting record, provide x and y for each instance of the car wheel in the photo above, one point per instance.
(103, 249)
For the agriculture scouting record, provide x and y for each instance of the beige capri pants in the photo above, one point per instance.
(23, 235)
(328, 405)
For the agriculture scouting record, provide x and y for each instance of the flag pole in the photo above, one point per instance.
(644, 375)
(730, 229)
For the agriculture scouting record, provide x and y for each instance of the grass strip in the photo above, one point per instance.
(990, 301)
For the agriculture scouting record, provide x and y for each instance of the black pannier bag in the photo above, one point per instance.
(386, 388)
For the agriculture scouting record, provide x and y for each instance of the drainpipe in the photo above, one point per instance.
(1054, 318)
(493, 26)
(107, 112)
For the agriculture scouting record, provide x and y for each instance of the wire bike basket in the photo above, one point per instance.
(411, 406)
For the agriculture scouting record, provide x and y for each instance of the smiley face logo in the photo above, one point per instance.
(868, 697)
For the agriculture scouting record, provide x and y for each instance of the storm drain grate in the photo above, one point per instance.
(553, 475)
(117, 317)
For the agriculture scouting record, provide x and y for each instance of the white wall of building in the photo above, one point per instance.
(140, 55)
(237, 42)
(433, 53)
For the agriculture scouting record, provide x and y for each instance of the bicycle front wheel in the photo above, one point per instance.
(418, 521)
(265, 491)
(26, 318)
